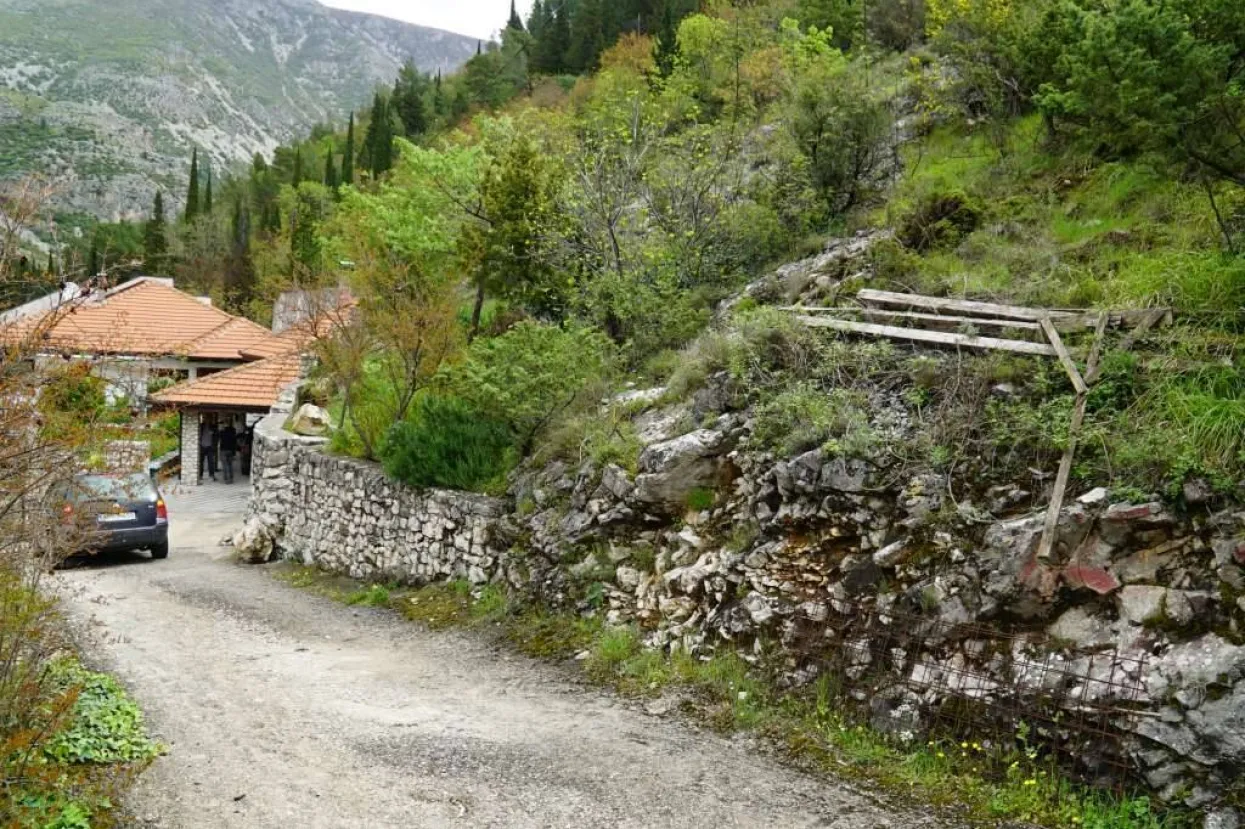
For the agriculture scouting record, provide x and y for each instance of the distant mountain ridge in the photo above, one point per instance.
(116, 93)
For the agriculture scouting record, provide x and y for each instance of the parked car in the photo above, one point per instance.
(119, 513)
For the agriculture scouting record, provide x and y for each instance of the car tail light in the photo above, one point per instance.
(162, 510)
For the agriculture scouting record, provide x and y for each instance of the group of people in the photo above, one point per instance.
(220, 447)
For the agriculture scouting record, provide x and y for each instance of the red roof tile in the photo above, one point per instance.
(149, 318)
(251, 386)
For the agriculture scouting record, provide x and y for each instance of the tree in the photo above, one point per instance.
(515, 22)
(506, 247)
(378, 139)
(155, 238)
(207, 198)
(192, 192)
(409, 93)
(93, 261)
(330, 171)
(297, 176)
(347, 176)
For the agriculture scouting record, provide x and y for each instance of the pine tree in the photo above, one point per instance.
(667, 47)
(207, 198)
(192, 194)
(515, 22)
(298, 168)
(378, 140)
(330, 172)
(155, 238)
(347, 177)
(408, 100)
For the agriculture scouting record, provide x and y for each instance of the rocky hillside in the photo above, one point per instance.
(115, 94)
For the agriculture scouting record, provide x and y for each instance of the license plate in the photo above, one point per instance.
(118, 516)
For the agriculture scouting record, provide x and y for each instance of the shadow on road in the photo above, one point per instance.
(101, 561)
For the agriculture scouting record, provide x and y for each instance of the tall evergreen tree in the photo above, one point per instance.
(51, 263)
(408, 100)
(330, 171)
(378, 140)
(438, 97)
(667, 47)
(347, 176)
(92, 262)
(192, 193)
(298, 167)
(155, 238)
(515, 21)
(207, 198)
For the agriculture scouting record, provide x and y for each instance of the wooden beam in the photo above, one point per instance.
(957, 306)
(1074, 374)
(1153, 318)
(1047, 544)
(948, 323)
(1094, 366)
(933, 337)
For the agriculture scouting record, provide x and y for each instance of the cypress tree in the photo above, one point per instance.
(515, 22)
(192, 194)
(155, 237)
(92, 262)
(298, 167)
(347, 176)
(378, 142)
(207, 198)
(51, 263)
(330, 172)
(667, 41)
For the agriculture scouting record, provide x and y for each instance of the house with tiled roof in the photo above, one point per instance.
(139, 333)
(241, 395)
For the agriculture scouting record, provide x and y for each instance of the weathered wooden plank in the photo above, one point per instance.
(934, 337)
(957, 306)
(927, 320)
(1074, 374)
(1153, 318)
(1047, 544)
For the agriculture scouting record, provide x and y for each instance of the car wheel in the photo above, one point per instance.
(160, 550)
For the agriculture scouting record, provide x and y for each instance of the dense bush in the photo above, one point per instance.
(447, 443)
(939, 220)
(532, 374)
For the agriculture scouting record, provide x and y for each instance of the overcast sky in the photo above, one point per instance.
(478, 18)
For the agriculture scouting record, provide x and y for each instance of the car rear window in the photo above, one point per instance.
(117, 487)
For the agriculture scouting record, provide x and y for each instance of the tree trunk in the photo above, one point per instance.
(477, 311)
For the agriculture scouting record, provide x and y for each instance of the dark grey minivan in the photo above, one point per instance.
(119, 513)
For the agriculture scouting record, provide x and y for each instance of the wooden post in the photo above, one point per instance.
(1047, 545)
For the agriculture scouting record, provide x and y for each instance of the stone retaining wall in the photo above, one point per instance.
(347, 516)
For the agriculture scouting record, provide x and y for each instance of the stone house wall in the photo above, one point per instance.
(347, 516)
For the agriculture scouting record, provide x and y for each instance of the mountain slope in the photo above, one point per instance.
(116, 93)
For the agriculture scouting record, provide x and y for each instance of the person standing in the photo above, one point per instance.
(228, 448)
(207, 451)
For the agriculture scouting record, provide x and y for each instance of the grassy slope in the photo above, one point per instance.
(1061, 229)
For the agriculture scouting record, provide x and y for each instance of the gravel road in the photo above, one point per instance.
(282, 709)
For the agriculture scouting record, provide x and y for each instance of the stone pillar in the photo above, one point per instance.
(190, 446)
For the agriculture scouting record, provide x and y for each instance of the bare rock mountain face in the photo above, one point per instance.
(112, 95)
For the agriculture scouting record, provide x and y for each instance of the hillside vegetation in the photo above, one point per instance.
(523, 240)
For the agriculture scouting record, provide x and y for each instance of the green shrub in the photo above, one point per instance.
(939, 220)
(531, 375)
(447, 443)
(805, 417)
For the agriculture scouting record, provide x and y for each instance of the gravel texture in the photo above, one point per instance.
(282, 709)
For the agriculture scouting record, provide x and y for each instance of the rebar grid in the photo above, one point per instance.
(970, 682)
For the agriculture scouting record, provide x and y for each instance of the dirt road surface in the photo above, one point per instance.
(282, 709)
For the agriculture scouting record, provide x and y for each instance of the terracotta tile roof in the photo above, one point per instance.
(251, 386)
(149, 318)
(230, 341)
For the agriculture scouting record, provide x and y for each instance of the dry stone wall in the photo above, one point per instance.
(348, 517)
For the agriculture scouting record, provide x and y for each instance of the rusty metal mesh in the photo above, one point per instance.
(971, 682)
